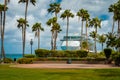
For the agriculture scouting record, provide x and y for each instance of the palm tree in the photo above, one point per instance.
(37, 28)
(96, 23)
(67, 14)
(1, 20)
(93, 34)
(54, 8)
(112, 9)
(83, 14)
(111, 39)
(55, 30)
(4, 9)
(26, 9)
(21, 24)
(102, 39)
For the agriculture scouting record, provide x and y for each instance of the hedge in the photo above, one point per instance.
(58, 53)
(25, 61)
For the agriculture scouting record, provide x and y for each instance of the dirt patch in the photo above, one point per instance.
(98, 66)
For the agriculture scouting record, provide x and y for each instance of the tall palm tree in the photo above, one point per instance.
(26, 9)
(4, 8)
(83, 14)
(102, 39)
(54, 8)
(55, 30)
(93, 34)
(1, 26)
(96, 23)
(37, 28)
(67, 14)
(87, 19)
(21, 24)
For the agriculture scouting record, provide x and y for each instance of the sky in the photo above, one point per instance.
(38, 13)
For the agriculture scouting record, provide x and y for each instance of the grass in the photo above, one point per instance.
(7, 73)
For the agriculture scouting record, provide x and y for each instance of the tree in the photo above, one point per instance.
(112, 9)
(55, 30)
(67, 14)
(54, 8)
(3, 20)
(26, 9)
(102, 39)
(21, 24)
(96, 23)
(1, 26)
(111, 39)
(37, 28)
(83, 14)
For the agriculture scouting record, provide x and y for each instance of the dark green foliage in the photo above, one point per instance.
(82, 53)
(67, 53)
(29, 56)
(116, 58)
(25, 61)
(8, 60)
(42, 52)
(107, 52)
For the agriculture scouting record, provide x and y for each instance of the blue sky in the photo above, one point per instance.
(39, 13)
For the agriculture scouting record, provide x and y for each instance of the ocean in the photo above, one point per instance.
(12, 56)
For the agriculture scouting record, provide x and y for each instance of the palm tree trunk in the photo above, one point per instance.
(38, 38)
(24, 40)
(3, 30)
(52, 41)
(81, 34)
(119, 33)
(102, 46)
(113, 24)
(55, 39)
(95, 42)
(67, 33)
(87, 36)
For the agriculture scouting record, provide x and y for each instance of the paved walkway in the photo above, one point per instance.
(96, 66)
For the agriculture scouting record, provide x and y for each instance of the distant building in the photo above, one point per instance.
(73, 42)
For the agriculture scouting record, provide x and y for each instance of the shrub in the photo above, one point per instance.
(42, 53)
(81, 53)
(107, 52)
(116, 58)
(8, 60)
(29, 56)
(25, 61)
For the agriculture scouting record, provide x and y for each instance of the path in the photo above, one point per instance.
(96, 66)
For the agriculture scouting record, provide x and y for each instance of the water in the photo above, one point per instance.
(12, 56)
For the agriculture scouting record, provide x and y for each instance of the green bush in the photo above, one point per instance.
(107, 52)
(82, 53)
(8, 60)
(25, 61)
(29, 56)
(116, 58)
(42, 53)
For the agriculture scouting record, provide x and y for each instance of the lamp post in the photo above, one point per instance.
(31, 43)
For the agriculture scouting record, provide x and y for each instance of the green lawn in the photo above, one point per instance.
(7, 73)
